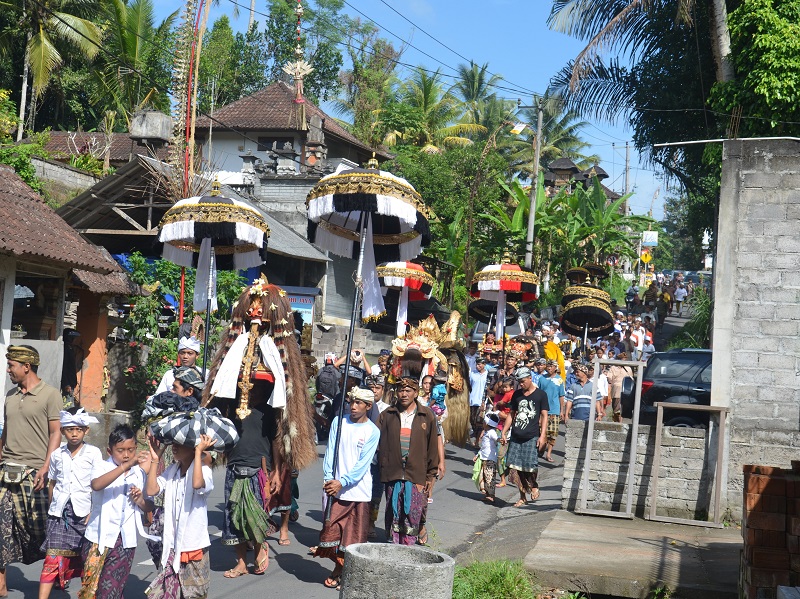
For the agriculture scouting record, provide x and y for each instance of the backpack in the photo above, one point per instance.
(328, 380)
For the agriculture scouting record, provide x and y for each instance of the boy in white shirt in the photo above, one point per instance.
(488, 455)
(186, 484)
(115, 518)
(70, 476)
(350, 487)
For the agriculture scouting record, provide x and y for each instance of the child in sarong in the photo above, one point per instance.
(70, 476)
(488, 456)
(117, 503)
(185, 484)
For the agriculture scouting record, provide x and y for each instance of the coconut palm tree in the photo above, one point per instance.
(130, 37)
(473, 87)
(439, 112)
(49, 23)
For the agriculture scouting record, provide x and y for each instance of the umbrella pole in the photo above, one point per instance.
(207, 332)
(183, 292)
(353, 317)
(586, 341)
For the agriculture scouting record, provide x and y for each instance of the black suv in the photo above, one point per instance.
(679, 376)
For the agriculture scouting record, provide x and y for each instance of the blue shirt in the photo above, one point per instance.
(554, 388)
(581, 398)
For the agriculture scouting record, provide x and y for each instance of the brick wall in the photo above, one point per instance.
(770, 529)
(757, 307)
(683, 488)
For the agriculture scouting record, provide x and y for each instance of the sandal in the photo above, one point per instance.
(521, 502)
(423, 538)
(262, 566)
(332, 582)
(534, 494)
(234, 573)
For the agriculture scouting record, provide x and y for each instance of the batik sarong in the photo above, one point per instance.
(281, 499)
(405, 504)
(190, 582)
(488, 475)
(347, 526)
(105, 574)
(23, 514)
(63, 548)
(245, 518)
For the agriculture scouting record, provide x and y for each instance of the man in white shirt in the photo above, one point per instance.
(477, 397)
(188, 351)
(471, 356)
(349, 487)
(637, 336)
(679, 297)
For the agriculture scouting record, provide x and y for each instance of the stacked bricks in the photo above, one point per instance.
(771, 530)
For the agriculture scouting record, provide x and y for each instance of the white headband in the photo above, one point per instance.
(81, 418)
(189, 343)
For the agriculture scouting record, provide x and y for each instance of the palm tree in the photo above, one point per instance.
(621, 23)
(47, 23)
(472, 88)
(561, 131)
(439, 111)
(130, 35)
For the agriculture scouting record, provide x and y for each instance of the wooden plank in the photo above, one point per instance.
(145, 232)
(128, 219)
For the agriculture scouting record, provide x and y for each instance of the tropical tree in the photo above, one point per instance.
(438, 110)
(48, 23)
(473, 87)
(132, 39)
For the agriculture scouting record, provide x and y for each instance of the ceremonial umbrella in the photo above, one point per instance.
(210, 232)
(366, 214)
(504, 282)
(413, 282)
(486, 311)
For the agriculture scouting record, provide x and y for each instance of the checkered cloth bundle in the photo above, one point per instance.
(185, 428)
(167, 403)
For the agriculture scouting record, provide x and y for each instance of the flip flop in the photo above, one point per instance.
(332, 582)
(521, 502)
(534, 494)
(234, 573)
(261, 566)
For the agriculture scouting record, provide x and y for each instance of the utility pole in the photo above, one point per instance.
(534, 186)
(627, 173)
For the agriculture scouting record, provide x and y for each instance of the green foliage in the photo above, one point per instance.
(493, 580)
(680, 243)
(88, 163)
(765, 51)
(148, 363)
(8, 115)
(18, 157)
(697, 331)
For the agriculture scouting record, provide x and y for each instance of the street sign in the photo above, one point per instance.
(612, 260)
(649, 238)
(646, 256)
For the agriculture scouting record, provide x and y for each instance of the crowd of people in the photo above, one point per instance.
(383, 429)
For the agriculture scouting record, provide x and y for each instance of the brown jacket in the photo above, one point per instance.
(423, 455)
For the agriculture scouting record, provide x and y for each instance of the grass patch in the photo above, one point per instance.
(502, 579)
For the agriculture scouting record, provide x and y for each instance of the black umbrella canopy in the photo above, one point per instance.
(574, 292)
(486, 310)
(590, 312)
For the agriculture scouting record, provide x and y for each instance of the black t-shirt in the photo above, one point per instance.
(527, 408)
(256, 433)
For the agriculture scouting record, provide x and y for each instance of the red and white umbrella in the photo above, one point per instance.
(504, 282)
(412, 281)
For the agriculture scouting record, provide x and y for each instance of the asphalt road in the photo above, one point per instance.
(456, 518)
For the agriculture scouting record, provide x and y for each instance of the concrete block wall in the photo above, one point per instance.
(284, 198)
(62, 181)
(757, 307)
(683, 487)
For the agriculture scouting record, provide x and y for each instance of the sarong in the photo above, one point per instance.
(488, 475)
(502, 451)
(105, 574)
(348, 525)
(63, 548)
(377, 492)
(523, 456)
(23, 514)
(404, 513)
(190, 582)
(245, 518)
(475, 420)
(553, 423)
(281, 499)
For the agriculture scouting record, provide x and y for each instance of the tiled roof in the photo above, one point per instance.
(117, 282)
(273, 109)
(61, 147)
(29, 229)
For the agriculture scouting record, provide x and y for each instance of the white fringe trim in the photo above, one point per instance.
(247, 260)
(411, 249)
(333, 243)
(179, 231)
(249, 234)
(176, 256)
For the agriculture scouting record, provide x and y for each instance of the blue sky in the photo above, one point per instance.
(513, 37)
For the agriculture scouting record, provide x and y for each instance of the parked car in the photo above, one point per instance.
(678, 376)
